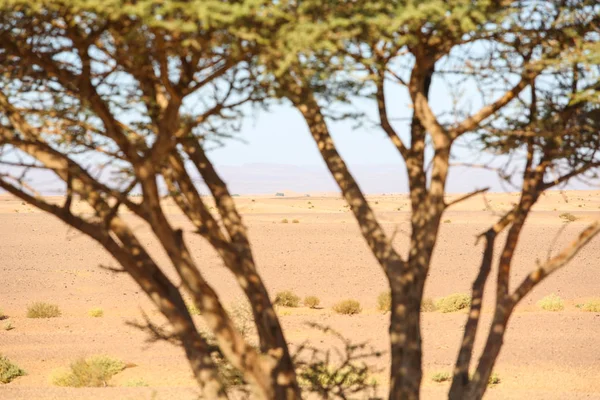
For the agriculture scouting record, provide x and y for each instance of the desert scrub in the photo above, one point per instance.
(453, 302)
(94, 371)
(192, 309)
(312, 301)
(295, 221)
(287, 298)
(441, 377)
(494, 379)
(284, 221)
(384, 302)
(8, 326)
(320, 377)
(568, 217)
(552, 302)
(427, 305)
(136, 382)
(591, 306)
(8, 370)
(447, 221)
(347, 307)
(96, 312)
(43, 310)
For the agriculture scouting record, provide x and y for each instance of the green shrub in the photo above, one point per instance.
(287, 298)
(551, 302)
(591, 306)
(312, 301)
(568, 217)
(8, 370)
(453, 302)
(384, 301)
(96, 312)
(43, 310)
(427, 305)
(347, 307)
(94, 371)
(441, 377)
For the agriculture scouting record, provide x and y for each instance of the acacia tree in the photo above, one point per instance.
(139, 86)
(501, 47)
(117, 97)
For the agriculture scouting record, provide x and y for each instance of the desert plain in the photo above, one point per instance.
(546, 355)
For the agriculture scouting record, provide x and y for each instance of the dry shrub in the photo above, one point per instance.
(96, 312)
(441, 377)
(94, 371)
(8, 370)
(347, 307)
(295, 221)
(591, 306)
(312, 301)
(384, 301)
(43, 310)
(287, 298)
(453, 302)
(552, 302)
(427, 305)
(568, 217)
(284, 221)
(447, 221)
(136, 382)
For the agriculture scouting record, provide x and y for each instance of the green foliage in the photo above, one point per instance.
(96, 312)
(591, 305)
(441, 377)
(494, 379)
(287, 298)
(552, 302)
(453, 302)
(312, 301)
(384, 301)
(320, 375)
(8, 370)
(94, 371)
(43, 310)
(347, 307)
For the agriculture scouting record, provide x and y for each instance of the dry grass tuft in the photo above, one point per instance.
(284, 221)
(551, 302)
(96, 312)
(94, 371)
(453, 302)
(441, 377)
(427, 305)
(347, 307)
(384, 301)
(8, 370)
(568, 217)
(287, 298)
(312, 301)
(43, 310)
(591, 306)
(295, 221)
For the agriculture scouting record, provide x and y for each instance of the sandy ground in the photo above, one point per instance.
(547, 355)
